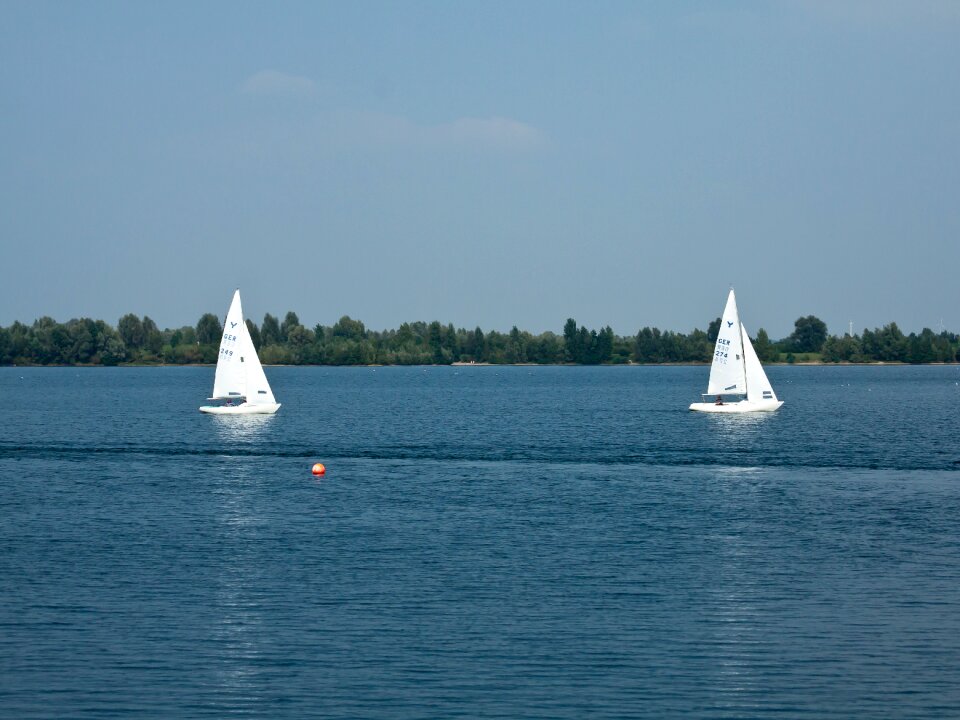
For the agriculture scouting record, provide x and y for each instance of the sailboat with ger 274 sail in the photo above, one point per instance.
(736, 370)
(239, 378)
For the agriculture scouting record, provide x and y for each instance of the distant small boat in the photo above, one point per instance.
(239, 378)
(736, 370)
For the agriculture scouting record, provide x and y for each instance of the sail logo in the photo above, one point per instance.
(768, 395)
(233, 324)
(731, 387)
(729, 323)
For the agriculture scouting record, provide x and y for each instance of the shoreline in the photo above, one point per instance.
(487, 364)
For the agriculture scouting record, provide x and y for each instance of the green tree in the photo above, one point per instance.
(83, 341)
(5, 346)
(888, 344)
(700, 349)
(944, 347)
(45, 341)
(346, 327)
(434, 340)
(209, 330)
(477, 345)
(19, 342)
(836, 349)
(546, 348)
(274, 355)
(269, 331)
(713, 330)
(153, 338)
(765, 349)
(188, 336)
(450, 341)
(588, 345)
(298, 336)
(131, 331)
(290, 321)
(605, 340)
(809, 334)
(646, 348)
(517, 347)
(921, 348)
(114, 352)
(571, 341)
(405, 336)
(254, 333)
(584, 345)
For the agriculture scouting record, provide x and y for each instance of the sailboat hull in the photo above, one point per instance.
(744, 406)
(241, 409)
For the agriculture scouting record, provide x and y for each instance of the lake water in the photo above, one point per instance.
(510, 542)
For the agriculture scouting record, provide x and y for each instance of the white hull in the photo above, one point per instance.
(744, 406)
(241, 409)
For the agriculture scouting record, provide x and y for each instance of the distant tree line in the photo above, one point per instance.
(348, 342)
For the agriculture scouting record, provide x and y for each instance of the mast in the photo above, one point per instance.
(743, 359)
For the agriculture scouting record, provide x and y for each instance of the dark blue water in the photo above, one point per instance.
(488, 542)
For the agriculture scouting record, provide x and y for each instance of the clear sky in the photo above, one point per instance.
(485, 163)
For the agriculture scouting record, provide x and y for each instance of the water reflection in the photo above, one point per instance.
(237, 627)
(241, 428)
(733, 616)
(735, 430)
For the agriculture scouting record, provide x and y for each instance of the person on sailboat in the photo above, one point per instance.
(719, 400)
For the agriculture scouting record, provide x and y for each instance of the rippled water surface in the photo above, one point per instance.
(488, 542)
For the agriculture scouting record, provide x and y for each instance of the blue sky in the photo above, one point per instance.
(485, 164)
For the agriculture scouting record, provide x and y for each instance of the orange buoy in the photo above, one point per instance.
(319, 469)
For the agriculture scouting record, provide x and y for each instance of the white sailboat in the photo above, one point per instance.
(736, 370)
(239, 380)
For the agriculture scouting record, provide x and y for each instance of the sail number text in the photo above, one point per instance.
(722, 351)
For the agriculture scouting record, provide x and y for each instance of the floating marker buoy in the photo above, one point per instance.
(319, 469)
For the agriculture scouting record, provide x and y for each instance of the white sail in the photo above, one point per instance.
(727, 372)
(758, 386)
(239, 372)
(231, 378)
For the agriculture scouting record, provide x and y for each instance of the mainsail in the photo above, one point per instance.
(231, 378)
(727, 373)
(239, 372)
